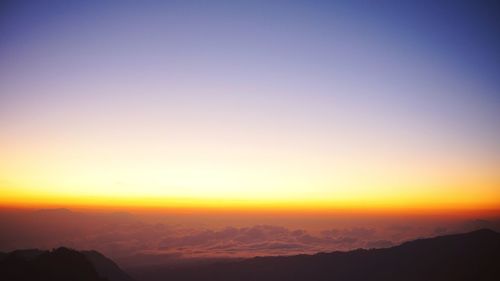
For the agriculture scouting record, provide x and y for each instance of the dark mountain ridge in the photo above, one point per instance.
(470, 256)
(58, 265)
(106, 267)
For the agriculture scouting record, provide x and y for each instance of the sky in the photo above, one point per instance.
(317, 105)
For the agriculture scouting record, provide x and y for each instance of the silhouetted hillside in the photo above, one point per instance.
(59, 264)
(106, 267)
(470, 256)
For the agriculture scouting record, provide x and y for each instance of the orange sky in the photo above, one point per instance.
(45, 170)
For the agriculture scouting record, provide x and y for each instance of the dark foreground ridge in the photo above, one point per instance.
(61, 264)
(470, 256)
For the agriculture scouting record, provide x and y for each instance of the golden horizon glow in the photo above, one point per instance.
(399, 204)
(211, 174)
(285, 178)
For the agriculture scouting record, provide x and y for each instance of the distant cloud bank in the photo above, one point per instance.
(134, 240)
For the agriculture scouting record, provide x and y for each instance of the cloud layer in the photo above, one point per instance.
(136, 241)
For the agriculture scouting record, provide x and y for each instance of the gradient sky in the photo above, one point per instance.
(256, 103)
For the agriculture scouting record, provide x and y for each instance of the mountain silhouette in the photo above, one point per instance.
(60, 264)
(470, 256)
(106, 267)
